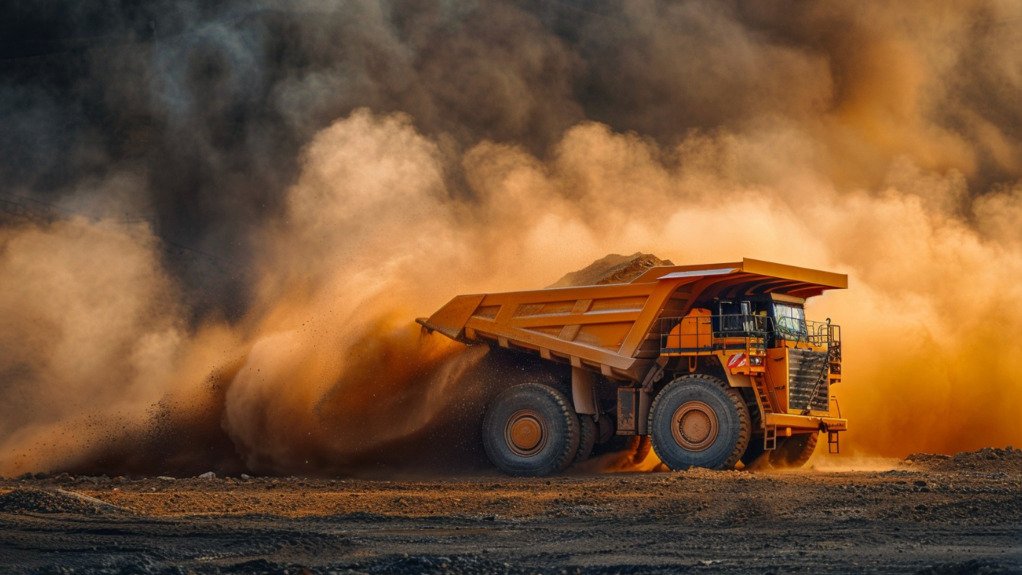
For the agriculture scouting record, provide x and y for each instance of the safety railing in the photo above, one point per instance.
(815, 333)
(702, 333)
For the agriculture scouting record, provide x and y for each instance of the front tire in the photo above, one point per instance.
(531, 430)
(698, 421)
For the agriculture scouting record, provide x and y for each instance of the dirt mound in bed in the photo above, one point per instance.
(611, 269)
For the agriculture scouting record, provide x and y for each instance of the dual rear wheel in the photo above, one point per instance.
(532, 430)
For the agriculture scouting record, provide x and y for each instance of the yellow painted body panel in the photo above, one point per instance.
(806, 422)
(695, 330)
(777, 377)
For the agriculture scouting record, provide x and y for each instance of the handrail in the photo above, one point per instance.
(733, 331)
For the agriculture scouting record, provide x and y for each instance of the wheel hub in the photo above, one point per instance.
(524, 432)
(694, 425)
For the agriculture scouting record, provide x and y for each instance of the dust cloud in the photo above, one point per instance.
(486, 149)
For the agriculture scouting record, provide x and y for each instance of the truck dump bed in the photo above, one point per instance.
(614, 328)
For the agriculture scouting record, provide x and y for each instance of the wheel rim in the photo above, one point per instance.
(525, 433)
(694, 426)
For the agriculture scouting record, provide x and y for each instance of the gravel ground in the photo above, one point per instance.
(928, 514)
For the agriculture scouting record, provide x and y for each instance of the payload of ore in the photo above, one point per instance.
(612, 269)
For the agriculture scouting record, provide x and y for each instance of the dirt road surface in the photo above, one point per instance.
(926, 515)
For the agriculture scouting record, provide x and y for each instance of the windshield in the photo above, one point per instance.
(790, 321)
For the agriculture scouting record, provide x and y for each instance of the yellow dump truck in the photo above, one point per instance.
(715, 363)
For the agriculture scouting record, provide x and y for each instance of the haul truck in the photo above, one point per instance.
(715, 363)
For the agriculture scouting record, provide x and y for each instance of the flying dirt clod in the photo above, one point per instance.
(715, 363)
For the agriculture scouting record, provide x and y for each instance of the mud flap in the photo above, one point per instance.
(632, 411)
(627, 410)
(583, 392)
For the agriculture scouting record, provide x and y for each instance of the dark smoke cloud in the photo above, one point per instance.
(212, 101)
(209, 106)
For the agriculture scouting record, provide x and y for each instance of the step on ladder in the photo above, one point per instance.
(770, 437)
(759, 385)
(833, 442)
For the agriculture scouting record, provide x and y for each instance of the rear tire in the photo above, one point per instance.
(698, 421)
(586, 437)
(531, 430)
(605, 429)
(794, 451)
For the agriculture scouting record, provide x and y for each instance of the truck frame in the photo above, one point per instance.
(715, 363)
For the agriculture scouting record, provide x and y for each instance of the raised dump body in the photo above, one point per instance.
(733, 332)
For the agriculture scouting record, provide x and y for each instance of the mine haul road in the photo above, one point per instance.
(915, 517)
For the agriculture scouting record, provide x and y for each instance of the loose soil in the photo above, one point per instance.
(927, 514)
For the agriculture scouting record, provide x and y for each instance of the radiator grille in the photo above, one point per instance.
(805, 369)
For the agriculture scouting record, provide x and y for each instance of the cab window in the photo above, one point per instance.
(789, 321)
